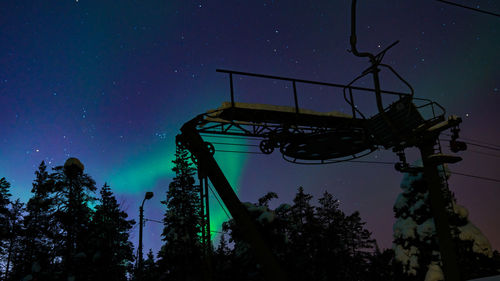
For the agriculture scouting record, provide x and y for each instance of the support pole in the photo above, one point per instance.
(141, 222)
(438, 208)
(195, 144)
(205, 225)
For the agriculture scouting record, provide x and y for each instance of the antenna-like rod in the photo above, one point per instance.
(354, 39)
(373, 69)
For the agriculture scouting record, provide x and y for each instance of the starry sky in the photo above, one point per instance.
(112, 82)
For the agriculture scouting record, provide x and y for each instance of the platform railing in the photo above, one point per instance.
(294, 86)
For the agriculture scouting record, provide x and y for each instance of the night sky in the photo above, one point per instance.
(112, 82)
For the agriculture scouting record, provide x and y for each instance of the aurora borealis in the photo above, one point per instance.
(112, 82)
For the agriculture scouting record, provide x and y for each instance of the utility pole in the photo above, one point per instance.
(148, 196)
(431, 162)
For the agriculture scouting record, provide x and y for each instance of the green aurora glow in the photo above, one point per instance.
(146, 170)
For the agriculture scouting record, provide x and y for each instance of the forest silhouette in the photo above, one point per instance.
(70, 230)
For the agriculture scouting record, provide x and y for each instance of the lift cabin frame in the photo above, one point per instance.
(307, 137)
(303, 136)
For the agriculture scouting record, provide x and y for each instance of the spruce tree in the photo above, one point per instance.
(4, 223)
(311, 242)
(73, 190)
(111, 252)
(39, 228)
(150, 270)
(303, 230)
(4, 213)
(13, 254)
(181, 252)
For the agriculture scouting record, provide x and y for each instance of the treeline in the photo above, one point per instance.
(64, 232)
(68, 232)
(311, 242)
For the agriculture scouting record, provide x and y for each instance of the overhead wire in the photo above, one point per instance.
(469, 8)
(478, 145)
(233, 151)
(383, 163)
(240, 144)
(218, 201)
(456, 173)
(475, 140)
(474, 176)
(230, 136)
(484, 153)
(475, 143)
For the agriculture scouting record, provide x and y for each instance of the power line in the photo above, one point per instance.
(385, 163)
(231, 137)
(478, 145)
(158, 221)
(240, 144)
(372, 162)
(474, 140)
(477, 177)
(217, 198)
(213, 231)
(470, 8)
(455, 173)
(484, 153)
(232, 151)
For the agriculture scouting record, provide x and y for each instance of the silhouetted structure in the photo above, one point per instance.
(308, 137)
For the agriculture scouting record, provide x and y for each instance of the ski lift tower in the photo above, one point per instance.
(308, 137)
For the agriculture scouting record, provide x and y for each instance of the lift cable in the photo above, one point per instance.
(478, 145)
(380, 162)
(372, 162)
(476, 141)
(233, 151)
(240, 144)
(482, 153)
(158, 221)
(474, 176)
(230, 137)
(218, 201)
(470, 8)
(455, 173)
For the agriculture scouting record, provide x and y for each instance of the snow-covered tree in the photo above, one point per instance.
(415, 243)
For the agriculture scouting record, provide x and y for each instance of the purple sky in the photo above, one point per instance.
(112, 82)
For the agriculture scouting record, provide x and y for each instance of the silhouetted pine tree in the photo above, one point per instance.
(150, 270)
(304, 235)
(110, 250)
(14, 252)
(312, 243)
(4, 223)
(4, 213)
(333, 256)
(181, 253)
(39, 228)
(73, 190)
(383, 266)
(222, 260)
